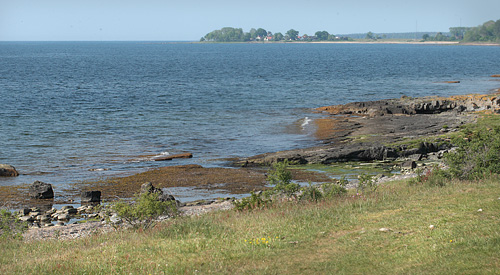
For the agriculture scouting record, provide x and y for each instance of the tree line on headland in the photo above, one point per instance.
(488, 32)
(229, 34)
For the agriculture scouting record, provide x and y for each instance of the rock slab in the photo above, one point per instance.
(171, 157)
(41, 190)
(8, 171)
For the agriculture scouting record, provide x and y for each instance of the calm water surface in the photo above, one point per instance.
(74, 111)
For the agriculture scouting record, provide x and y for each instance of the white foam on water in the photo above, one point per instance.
(305, 122)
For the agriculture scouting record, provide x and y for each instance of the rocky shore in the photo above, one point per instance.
(367, 131)
(358, 131)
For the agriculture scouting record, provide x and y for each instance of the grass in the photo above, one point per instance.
(329, 237)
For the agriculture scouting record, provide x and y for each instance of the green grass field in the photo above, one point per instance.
(334, 236)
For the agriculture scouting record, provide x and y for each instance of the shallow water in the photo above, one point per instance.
(76, 111)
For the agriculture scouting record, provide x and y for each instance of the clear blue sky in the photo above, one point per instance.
(41, 20)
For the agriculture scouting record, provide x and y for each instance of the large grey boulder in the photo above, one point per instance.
(41, 190)
(8, 171)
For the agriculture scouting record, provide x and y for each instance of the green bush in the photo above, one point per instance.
(432, 177)
(255, 201)
(144, 210)
(331, 189)
(311, 193)
(10, 226)
(477, 154)
(281, 178)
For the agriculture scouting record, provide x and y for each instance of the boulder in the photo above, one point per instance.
(8, 171)
(162, 196)
(41, 190)
(409, 164)
(91, 197)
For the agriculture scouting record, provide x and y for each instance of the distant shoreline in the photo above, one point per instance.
(362, 42)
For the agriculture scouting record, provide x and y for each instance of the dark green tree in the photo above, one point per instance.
(278, 36)
(292, 34)
(370, 35)
(322, 35)
(260, 32)
(226, 34)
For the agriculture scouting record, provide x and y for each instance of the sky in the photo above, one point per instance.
(189, 20)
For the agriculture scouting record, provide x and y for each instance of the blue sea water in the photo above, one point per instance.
(73, 111)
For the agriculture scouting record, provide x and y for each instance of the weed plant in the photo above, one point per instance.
(366, 184)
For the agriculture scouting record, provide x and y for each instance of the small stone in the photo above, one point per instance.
(71, 211)
(24, 211)
(60, 223)
(431, 226)
(63, 217)
(45, 218)
(51, 211)
(27, 219)
(480, 210)
(383, 229)
(115, 219)
(93, 216)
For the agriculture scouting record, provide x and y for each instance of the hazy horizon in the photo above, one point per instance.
(155, 20)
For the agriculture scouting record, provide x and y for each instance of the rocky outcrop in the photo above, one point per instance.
(354, 152)
(8, 171)
(41, 190)
(410, 106)
(364, 131)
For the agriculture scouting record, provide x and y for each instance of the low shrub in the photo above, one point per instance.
(145, 210)
(255, 201)
(477, 154)
(431, 177)
(331, 189)
(281, 178)
(311, 193)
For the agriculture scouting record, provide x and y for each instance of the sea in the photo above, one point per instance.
(82, 111)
